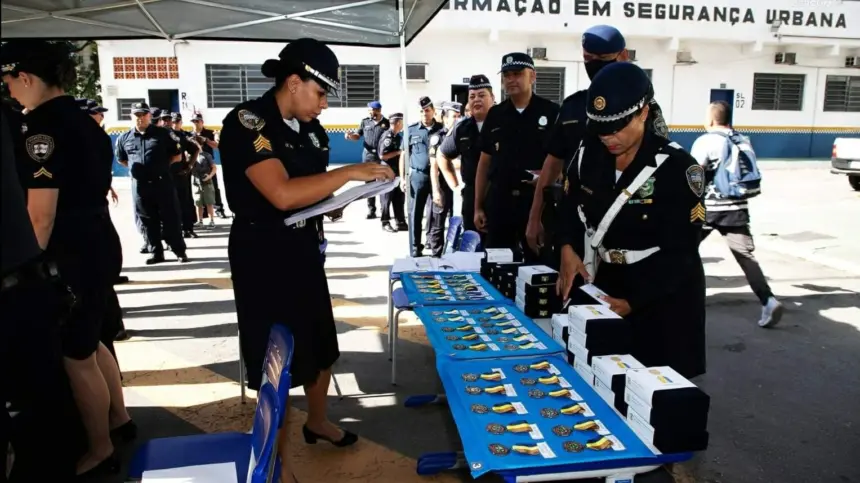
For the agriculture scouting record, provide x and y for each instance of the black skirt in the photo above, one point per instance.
(278, 278)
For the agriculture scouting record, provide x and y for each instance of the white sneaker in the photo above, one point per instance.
(771, 312)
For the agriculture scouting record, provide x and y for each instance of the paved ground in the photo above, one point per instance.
(781, 398)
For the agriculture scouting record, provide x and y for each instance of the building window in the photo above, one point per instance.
(123, 107)
(778, 92)
(549, 84)
(145, 68)
(230, 84)
(842, 93)
(359, 84)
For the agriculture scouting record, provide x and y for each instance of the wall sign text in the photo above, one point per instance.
(520, 7)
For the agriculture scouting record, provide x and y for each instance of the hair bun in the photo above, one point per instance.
(270, 68)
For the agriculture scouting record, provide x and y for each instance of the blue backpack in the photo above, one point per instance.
(737, 176)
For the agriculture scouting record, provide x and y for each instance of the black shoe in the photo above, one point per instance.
(387, 227)
(156, 257)
(109, 466)
(120, 280)
(127, 432)
(371, 215)
(222, 214)
(193, 235)
(183, 258)
(121, 336)
(144, 249)
(311, 437)
(186, 235)
(402, 226)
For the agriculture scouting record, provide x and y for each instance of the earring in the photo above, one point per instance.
(292, 91)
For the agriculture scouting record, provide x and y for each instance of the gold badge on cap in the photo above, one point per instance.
(599, 103)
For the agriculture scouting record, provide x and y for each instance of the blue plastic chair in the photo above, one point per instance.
(279, 359)
(470, 241)
(452, 239)
(253, 454)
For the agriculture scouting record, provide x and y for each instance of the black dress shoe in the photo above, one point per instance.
(183, 258)
(402, 226)
(121, 336)
(371, 215)
(120, 280)
(311, 437)
(109, 466)
(127, 432)
(193, 235)
(156, 257)
(144, 249)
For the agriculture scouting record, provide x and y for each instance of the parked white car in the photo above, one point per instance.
(846, 160)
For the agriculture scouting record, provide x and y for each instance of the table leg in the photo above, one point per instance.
(395, 323)
(390, 318)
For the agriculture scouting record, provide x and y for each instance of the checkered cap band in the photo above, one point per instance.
(621, 115)
(518, 63)
(328, 80)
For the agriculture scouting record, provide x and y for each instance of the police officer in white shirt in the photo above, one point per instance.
(731, 218)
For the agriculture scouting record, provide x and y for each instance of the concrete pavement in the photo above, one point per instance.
(782, 405)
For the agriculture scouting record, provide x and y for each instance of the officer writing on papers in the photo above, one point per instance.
(513, 141)
(634, 199)
(602, 45)
(271, 172)
(371, 129)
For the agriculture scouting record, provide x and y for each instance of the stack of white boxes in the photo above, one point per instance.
(536, 294)
(592, 330)
(666, 410)
(610, 378)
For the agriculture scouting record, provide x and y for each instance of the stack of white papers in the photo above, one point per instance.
(450, 262)
(214, 473)
(355, 193)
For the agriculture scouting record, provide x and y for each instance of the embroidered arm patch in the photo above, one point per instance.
(696, 180)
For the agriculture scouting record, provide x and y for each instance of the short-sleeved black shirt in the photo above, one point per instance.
(517, 140)
(462, 142)
(207, 134)
(18, 243)
(148, 153)
(569, 128)
(254, 132)
(61, 150)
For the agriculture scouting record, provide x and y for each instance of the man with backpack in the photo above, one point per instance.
(732, 178)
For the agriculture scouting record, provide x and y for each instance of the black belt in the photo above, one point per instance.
(32, 271)
(420, 170)
(273, 222)
(369, 149)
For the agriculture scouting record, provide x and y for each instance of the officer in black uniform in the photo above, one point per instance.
(148, 151)
(389, 152)
(601, 45)
(513, 142)
(67, 177)
(32, 381)
(423, 136)
(206, 139)
(371, 129)
(647, 260)
(442, 194)
(181, 172)
(462, 143)
(272, 153)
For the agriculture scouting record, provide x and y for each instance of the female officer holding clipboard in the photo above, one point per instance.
(270, 172)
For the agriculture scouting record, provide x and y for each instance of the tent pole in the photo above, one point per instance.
(404, 176)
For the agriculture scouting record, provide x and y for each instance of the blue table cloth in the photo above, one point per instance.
(536, 415)
(449, 288)
(484, 331)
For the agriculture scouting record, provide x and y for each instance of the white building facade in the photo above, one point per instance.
(790, 70)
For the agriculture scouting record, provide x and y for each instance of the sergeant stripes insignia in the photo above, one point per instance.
(43, 172)
(697, 213)
(262, 144)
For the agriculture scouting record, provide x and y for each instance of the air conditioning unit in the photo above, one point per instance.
(788, 58)
(684, 57)
(537, 53)
(853, 61)
(415, 73)
(632, 54)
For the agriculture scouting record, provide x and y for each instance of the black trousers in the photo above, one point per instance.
(438, 216)
(219, 205)
(158, 208)
(47, 422)
(394, 200)
(742, 246)
(187, 210)
(508, 214)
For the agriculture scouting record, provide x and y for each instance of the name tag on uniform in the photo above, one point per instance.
(636, 201)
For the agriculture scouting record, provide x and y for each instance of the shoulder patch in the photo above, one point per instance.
(40, 147)
(173, 136)
(250, 120)
(696, 180)
(387, 142)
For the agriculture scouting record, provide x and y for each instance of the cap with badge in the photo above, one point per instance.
(452, 106)
(197, 117)
(517, 61)
(617, 93)
(479, 81)
(425, 102)
(93, 107)
(310, 56)
(397, 116)
(374, 105)
(140, 108)
(82, 102)
(166, 115)
(37, 57)
(176, 117)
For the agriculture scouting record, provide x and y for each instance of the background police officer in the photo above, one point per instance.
(148, 151)
(421, 137)
(371, 128)
(513, 142)
(462, 144)
(601, 45)
(181, 172)
(442, 193)
(389, 152)
(206, 139)
(635, 198)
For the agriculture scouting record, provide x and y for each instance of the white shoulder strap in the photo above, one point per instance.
(646, 173)
(579, 153)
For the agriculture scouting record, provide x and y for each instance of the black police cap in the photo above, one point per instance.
(616, 94)
(176, 116)
(516, 61)
(93, 107)
(166, 115)
(37, 57)
(140, 108)
(479, 81)
(197, 117)
(308, 55)
(396, 116)
(83, 103)
(425, 102)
